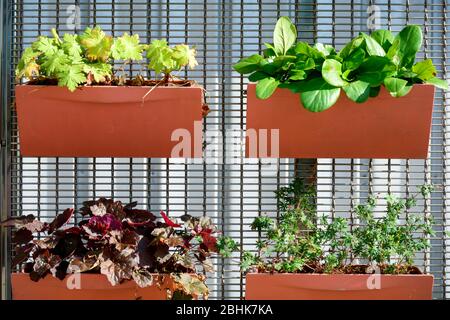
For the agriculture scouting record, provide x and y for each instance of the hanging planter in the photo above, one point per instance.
(117, 252)
(337, 287)
(109, 121)
(303, 256)
(385, 127)
(76, 105)
(310, 94)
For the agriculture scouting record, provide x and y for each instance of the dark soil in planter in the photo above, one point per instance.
(353, 269)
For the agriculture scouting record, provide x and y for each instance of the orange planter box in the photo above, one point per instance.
(91, 287)
(382, 127)
(338, 287)
(108, 121)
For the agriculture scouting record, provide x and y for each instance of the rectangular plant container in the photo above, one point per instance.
(89, 287)
(110, 121)
(338, 287)
(381, 127)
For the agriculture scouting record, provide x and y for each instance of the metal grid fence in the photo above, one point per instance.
(231, 193)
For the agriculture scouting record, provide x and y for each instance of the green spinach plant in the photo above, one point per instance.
(319, 72)
(88, 58)
(301, 242)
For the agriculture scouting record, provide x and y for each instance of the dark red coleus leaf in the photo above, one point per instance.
(209, 241)
(136, 218)
(22, 254)
(22, 236)
(61, 270)
(60, 220)
(169, 222)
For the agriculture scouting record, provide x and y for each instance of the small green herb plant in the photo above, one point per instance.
(88, 58)
(319, 72)
(301, 242)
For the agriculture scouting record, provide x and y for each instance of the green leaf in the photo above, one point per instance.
(425, 70)
(375, 69)
(405, 46)
(354, 60)
(332, 71)
(439, 83)
(71, 77)
(45, 45)
(308, 64)
(325, 50)
(184, 56)
(373, 47)
(257, 75)
(284, 35)
(397, 87)
(266, 87)
(318, 95)
(374, 91)
(296, 75)
(160, 57)
(357, 91)
(384, 37)
(304, 49)
(351, 46)
(97, 44)
(55, 62)
(127, 47)
(71, 46)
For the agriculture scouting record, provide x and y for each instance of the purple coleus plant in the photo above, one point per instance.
(121, 242)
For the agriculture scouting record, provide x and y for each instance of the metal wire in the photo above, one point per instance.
(233, 194)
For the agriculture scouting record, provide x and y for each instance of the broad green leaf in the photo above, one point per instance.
(351, 46)
(318, 95)
(296, 75)
(184, 56)
(354, 60)
(127, 47)
(257, 75)
(284, 35)
(425, 69)
(405, 46)
(357, 91)
(375, 69)
(308, 64)
(97, 44)
(332, 71)
(384, 37)
(304, 49)
(442, 84)
(374, 91)
(395, 86)
(266, 87)
(248, 65)
(325, 50)
(71, 77)
(373, 47)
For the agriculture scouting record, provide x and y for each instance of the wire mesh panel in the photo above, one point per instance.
(223, 186)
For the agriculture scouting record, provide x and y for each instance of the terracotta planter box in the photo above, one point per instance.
(92, 287)
(107, 121)
(338, 287)
(382, 127)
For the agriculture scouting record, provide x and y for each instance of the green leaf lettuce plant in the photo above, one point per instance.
(300, 241)
(320, 72)
(87, 59)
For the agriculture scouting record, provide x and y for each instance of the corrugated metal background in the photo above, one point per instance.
(232, 193)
